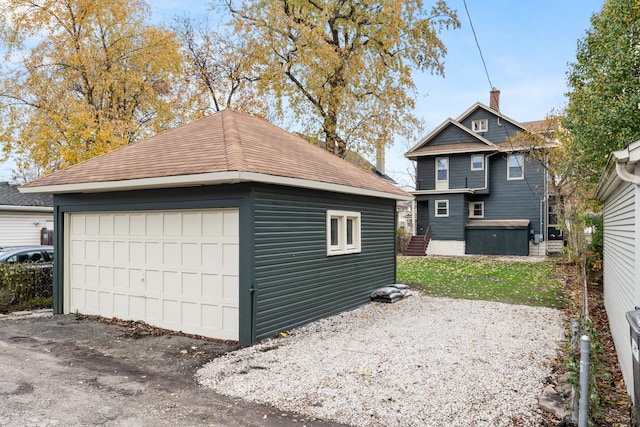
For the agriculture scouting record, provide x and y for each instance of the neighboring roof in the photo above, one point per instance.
(225, 147)
(12, 199)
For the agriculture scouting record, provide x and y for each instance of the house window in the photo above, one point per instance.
(442, 208)
(476, 210)
(477, 162)
(515, 168)
(480, 125)
(555, 206)
(442, 173)
(343, 232)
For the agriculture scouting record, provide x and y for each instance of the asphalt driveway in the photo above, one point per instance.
(71, 371)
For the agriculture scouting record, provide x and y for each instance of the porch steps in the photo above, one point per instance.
(417, 246)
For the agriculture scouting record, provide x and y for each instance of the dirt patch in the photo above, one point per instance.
(614, 401)
(75, 371)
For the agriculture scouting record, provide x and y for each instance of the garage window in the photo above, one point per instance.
(343, 232)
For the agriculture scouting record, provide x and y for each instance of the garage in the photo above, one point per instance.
(223, 227)
(176, 269)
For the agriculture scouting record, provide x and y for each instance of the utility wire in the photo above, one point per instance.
(484, 64)
(477, 43)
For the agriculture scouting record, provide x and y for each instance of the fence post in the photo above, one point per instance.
(575, 329)
(583, 413)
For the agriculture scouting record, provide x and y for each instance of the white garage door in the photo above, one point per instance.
(173, 269)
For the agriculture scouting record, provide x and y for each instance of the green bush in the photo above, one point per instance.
(25, 286)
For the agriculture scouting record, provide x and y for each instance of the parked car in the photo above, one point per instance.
(19, 254)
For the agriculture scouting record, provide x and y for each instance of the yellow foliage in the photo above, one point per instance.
(97, 78)
(343, 68)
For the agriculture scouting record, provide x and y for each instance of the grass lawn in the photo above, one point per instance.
(490, 279)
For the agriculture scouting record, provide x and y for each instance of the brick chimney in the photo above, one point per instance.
(494, 99)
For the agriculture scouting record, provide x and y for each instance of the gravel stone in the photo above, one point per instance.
(420, 361)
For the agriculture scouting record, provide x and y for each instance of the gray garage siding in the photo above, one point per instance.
(221, 196)
(295, 281)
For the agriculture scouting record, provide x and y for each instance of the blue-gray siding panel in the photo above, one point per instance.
(516, 199)
(295, 281)
(452, 135)
(451, 227)
(499, 130)
(460, 173)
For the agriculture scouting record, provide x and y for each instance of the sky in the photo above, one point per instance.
(526, 46)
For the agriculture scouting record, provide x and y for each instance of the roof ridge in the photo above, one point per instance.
(232, 142)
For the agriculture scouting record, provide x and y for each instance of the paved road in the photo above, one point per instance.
(68, 371)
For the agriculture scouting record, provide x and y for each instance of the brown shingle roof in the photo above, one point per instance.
(223, 142)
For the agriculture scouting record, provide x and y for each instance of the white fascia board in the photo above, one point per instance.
(215, 178)
(14, 208)
(487, 149)
(453, 191)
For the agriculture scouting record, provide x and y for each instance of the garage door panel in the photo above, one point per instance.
(192, 225)
(174, 269)
(121, 225)
(106, 225)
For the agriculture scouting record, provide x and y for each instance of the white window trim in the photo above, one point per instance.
(480, 125)
(442, 184)
(481, 167)
(509, 177)
(471, 210)
(343, 247)
(446, 202)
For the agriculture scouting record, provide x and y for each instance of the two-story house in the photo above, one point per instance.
(479, 189)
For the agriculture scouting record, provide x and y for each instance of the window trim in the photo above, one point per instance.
(472, 210)
(343, 246)
(481, 167)
(436, 213)
(480, 125)
(442, 184)
(513, 178)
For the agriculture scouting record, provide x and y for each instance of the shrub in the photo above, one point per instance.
(25, 286)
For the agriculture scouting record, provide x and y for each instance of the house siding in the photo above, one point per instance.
(460, 173)
(452, 226)
(499, 129)
(528, 193)
(620, 270)
(22, 228)
(451, 135)
(291, 254)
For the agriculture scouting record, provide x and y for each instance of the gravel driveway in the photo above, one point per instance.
(419, 362)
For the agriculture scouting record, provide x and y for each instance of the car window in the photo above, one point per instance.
(50, 253)
(27, 256)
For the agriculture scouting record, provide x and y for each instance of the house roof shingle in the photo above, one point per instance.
(10, 196)
(227, 141)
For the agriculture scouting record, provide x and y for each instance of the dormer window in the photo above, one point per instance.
(480, 125)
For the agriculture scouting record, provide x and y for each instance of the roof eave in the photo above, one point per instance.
(21, 208)
(214, 178)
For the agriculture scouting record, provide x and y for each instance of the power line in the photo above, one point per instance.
(477, 43)
(484, 64)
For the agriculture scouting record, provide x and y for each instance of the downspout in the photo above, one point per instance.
(486, 173)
